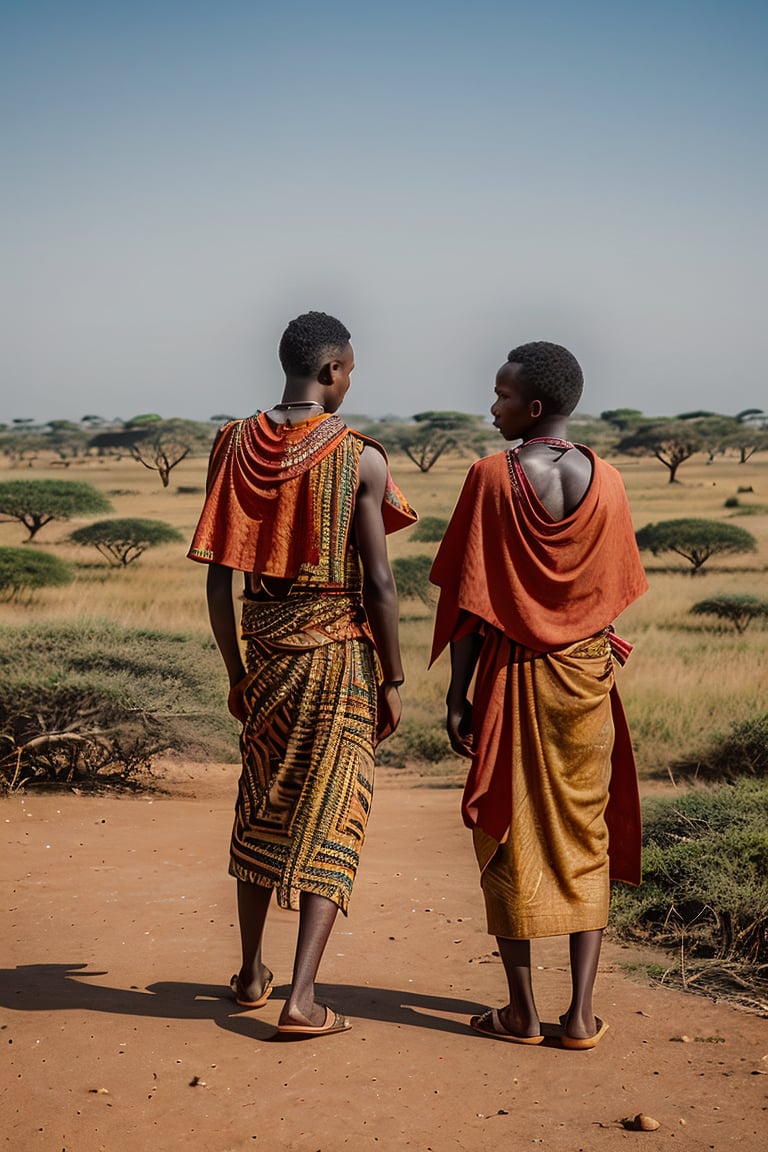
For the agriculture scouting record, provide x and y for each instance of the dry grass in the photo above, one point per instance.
(683, 682)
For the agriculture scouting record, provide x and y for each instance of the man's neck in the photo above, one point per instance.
(552, 427)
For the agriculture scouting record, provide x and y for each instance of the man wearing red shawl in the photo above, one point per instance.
(300, 504)
(538, 560)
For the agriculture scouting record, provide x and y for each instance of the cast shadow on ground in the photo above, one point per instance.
(67, 987)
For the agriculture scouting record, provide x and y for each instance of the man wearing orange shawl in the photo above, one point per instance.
(300, 504)
(538, 560)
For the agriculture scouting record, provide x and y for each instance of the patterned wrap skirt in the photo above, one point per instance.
(547, 722)
(307, 746)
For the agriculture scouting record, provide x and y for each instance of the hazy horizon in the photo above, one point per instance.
(449, 179)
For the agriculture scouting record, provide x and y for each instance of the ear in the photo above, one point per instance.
(325, 375)
(535, 409)
(334, 368)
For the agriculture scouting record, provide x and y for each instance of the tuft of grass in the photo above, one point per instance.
(743, 751)
(430, 529)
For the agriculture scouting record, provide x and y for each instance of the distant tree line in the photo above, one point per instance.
(424, 439)
(156, 443)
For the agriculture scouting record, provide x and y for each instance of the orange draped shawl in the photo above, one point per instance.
(543, 584)
(257, 515)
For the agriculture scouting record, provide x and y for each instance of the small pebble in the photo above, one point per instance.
(641, 1123)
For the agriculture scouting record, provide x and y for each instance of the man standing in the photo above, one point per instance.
(300, 504)
(538, 560)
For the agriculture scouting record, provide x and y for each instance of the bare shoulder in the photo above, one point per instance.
(372, 467)
(576, 473)
(576, 464)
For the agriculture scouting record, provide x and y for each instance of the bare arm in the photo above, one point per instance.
(464, 656)
(379, 591)
(221, 613)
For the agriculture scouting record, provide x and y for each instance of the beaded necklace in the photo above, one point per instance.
(552, 441)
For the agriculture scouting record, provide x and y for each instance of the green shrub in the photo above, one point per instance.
(412, 579)
(90, 700)
(705, 875)
(428, 744)
(24, 570)
(429, 529)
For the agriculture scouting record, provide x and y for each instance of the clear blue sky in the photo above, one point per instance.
(450, 179)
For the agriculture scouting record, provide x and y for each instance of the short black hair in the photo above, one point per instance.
(309, 341)
(551, 374)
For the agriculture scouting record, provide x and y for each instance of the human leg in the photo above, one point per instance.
(520, 1015)
(585, 955)
(316, 919)
(518, 1020)
(252, 905)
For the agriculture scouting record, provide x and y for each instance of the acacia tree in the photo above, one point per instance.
(738, 610)
(747, 439)
(25, 570)
(34, 503)
(122, 541)
(746, 432)
(712, 431)
(695, 540)
(670, 441)
(432, 434)
(159, 445)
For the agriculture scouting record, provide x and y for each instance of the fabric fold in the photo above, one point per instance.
(259, 513)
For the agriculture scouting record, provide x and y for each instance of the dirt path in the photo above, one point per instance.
(121, 938)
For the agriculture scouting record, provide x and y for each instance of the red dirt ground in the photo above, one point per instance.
(118, 1032)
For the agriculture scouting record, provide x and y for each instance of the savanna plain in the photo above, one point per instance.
(119, 933)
